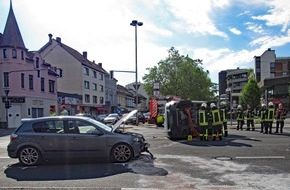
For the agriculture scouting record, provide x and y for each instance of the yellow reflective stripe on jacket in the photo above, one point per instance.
(202, 118)
(224, 115)
(216, 117)
(270, 116)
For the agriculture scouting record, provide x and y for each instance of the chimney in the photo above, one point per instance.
(58, 39)
(85, 54)
(50, 37)
(101, 64)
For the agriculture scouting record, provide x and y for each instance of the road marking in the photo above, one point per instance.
(4, 157)
(260, 157)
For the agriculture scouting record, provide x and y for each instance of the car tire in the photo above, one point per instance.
(121, 153)
(29, 156)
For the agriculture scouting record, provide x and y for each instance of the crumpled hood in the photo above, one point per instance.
(123, 119)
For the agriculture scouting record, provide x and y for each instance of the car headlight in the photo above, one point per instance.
(136, 139)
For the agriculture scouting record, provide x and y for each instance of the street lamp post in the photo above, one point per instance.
(135, 23)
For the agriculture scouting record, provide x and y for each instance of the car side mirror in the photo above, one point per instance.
(97, 132)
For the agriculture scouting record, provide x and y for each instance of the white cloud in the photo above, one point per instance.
(235, 31)
(257, 28)
(193, 17)
(278, 14)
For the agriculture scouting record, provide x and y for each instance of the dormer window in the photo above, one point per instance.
(5, 53)
(14, 53)
(37, 63)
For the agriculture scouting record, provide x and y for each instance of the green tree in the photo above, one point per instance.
(181, 76)
(251, 94)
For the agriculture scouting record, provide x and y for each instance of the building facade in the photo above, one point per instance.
(272, 73)
(28, 82)
(83, 80)
(234, 80)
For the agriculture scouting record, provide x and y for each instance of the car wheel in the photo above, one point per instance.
(29, 156)
(121, 153)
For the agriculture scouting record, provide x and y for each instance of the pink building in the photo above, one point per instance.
(30, 81)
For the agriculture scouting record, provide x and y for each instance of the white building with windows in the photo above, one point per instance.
(82, 86)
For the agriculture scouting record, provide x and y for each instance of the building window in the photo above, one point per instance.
(285, 73)
(87, 98)
(6, 79)
(22, 80)
(5, 53)
(14, 53)
(101, 100)
(94, 86)
(86, 71)
(31, 82)
(94, 74)
(42, 84)
(101, 88)
(22, 55)
(272, 64)
(101, 76)
(87, 85)
(95, 99)
(37, 63)
(51, 84)
(272, 74)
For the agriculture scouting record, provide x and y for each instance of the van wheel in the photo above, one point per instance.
(121, 153)
(29, 156)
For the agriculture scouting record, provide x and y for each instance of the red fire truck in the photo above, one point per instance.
(157, 107)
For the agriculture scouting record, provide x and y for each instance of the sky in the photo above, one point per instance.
(224, 34)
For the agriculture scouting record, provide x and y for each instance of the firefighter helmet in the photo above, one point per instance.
(223, 103)
(270, 104)
(239, 106)
(212, 105)
(203, 105)
(263, 105)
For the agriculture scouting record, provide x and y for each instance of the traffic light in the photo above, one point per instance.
(7, 104)
(111, 74)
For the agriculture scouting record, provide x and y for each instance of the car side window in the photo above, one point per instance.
(40, 127)
(81, 127)
(48, 127)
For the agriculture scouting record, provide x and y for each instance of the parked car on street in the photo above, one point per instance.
(101, 117)
(146, 115)
(132, 119)
(43, 138)
(111, 119)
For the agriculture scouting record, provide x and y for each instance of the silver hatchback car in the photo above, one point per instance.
(72, 136)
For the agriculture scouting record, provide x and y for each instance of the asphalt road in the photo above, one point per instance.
(243, 160)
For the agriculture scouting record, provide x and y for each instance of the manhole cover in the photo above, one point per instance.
(223, 158)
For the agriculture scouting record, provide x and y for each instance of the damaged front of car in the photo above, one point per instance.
(139, 144)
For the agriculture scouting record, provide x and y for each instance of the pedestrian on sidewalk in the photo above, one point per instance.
(262, 117)
(280, 116)
(240, 117)
(250, 118)
(269, 118)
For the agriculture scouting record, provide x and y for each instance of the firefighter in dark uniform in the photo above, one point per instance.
(269, 118)
(280, 116)
(216, 122)
(224, 114)
(262, 117)
(250, 118)
(240, 117)
(203, 122)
